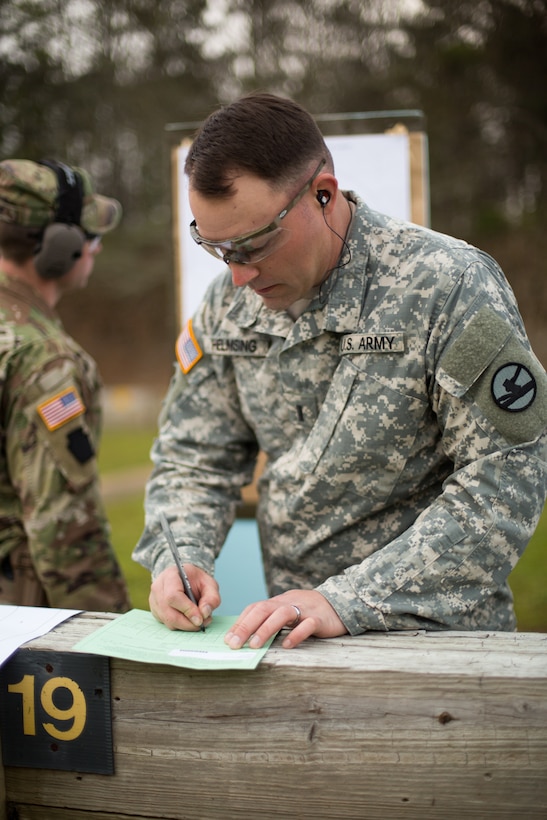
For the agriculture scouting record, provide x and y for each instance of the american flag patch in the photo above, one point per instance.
(187, 348)
(61, 408)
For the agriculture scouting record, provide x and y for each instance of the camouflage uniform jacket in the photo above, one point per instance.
(50, 423)
(403, 417)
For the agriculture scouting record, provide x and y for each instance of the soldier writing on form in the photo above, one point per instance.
(55, 545)
(384, 371)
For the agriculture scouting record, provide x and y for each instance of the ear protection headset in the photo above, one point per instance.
(63, 240)
(323, 197)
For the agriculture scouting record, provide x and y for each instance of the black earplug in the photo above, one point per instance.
(323, 197)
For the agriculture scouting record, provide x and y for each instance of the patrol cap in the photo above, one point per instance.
(29, 197)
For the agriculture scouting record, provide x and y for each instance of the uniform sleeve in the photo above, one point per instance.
(449, 570)
(204, 454)
(52, 435)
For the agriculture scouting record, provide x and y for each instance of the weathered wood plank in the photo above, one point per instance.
(411, 726)
(376, 793)
(26, 812)
(466, 653)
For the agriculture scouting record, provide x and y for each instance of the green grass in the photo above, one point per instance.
(122, 449)
(529, 582)
(127, 520)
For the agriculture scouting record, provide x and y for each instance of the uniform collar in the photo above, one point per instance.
(24, 292)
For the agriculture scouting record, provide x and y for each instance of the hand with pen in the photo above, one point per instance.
(184, 597)
(310, 614)
(173, 595)
(170, 604)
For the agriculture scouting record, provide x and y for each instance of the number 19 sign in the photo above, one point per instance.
(55, 712)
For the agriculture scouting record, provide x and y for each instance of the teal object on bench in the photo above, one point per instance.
(239, 570)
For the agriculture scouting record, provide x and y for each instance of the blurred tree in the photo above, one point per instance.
(478, 70)
(95, 81)
(316, 50)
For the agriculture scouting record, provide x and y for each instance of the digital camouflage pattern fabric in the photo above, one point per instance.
(403, 418)
(50, 506)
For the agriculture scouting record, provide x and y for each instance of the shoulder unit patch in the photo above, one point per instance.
(513, 387)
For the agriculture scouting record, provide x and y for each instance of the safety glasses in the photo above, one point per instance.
(254, 246)
(94, 241)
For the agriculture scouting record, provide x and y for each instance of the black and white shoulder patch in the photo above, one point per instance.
(490, 364)
(514, 387)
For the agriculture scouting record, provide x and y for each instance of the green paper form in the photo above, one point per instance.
(137, 636)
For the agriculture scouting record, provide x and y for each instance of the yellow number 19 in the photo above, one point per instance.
(76, 711)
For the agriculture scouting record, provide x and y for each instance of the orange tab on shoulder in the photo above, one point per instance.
(61, 408)
(187, 348)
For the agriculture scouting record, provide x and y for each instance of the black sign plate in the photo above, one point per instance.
(55, 711)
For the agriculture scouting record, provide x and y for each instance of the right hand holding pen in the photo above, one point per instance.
(170, 605)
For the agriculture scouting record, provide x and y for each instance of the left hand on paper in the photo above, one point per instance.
(262, 620)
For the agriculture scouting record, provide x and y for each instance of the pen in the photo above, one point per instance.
(183, 577)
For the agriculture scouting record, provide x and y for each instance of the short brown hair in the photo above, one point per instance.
(17, 242)
(271, 137)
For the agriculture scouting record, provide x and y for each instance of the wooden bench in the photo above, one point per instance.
(376, 727)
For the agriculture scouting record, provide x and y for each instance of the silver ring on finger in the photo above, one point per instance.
(297, 619)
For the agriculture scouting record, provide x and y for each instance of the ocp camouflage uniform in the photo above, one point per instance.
(403, 417)
(52, 521)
